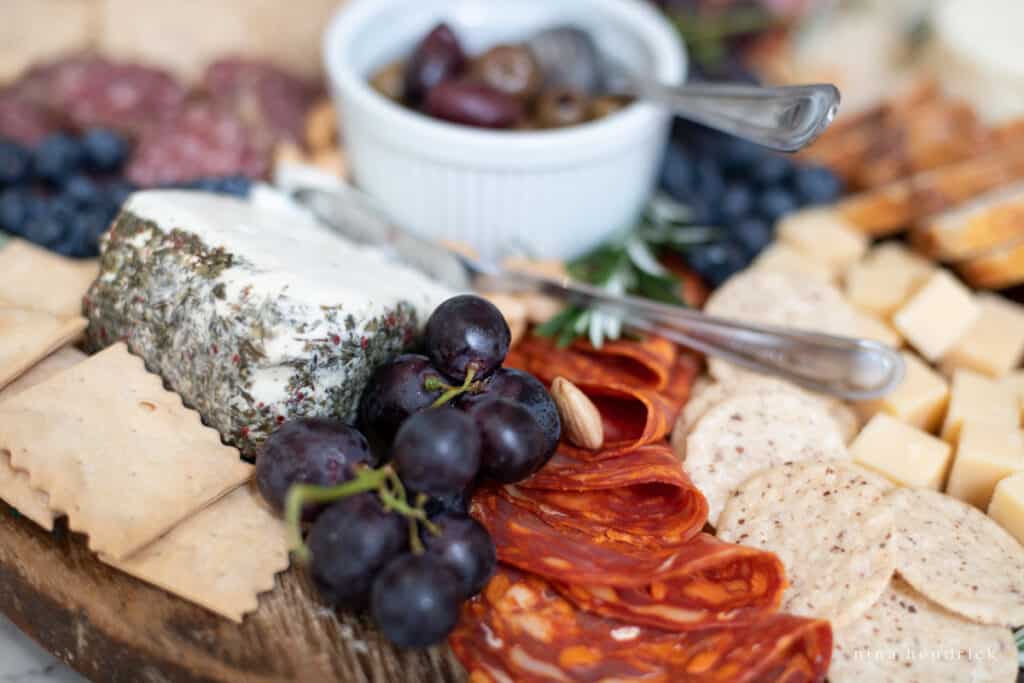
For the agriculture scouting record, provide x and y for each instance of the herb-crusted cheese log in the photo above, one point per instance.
(254, 314)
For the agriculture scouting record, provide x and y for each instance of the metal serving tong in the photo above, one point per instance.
(852, 369)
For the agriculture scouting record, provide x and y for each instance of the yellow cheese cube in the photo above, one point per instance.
(1015, 383)
(984, 455)
(920, 399)
(902, 453)
(937, 316)
(870, 327)
(1007, 506)
(980, 399)
(885, 279)
(786, 259)
(824, 236)
(994, 344)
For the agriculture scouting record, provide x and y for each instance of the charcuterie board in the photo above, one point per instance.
(113, 628)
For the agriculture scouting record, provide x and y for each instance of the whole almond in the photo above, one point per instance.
(581, 421)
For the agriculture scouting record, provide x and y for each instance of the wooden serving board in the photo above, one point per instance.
(113, 628)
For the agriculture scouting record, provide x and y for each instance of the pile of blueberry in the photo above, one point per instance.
(740, 187)
(63, 193)
(389, 530)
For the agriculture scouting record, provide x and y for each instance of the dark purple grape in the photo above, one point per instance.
(437, 58)
(415, 600)
(396, 391)
(528, 391)
(513, 442)
(437, 451)
(351, 541)
(466, 547)
(467, 332)
(452, 502)
(310, 450)
(473, 104)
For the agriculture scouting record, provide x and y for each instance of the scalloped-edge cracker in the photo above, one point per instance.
(221, 558)
(828, 525)
(14, 485)
(752, 432)
(906, 638)
(958, 557)
(34, 278)
(28, 336)
(116, 452)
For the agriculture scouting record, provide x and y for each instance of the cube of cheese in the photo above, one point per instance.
(920, 399)
(1007, 506)
(980, 399)
(784, 258)
(904, 454)
(994, 344)
(984, 456)
(824, 236)
(870, 327)
(1015, 383)
(937, 316)
(885, 279)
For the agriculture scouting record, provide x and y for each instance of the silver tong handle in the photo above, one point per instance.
(851, 369)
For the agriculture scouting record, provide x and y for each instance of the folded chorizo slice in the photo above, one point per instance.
(631, 418)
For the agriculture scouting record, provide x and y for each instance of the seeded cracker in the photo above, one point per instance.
(26, 337)
(906, 638)
(750, 433)
(959, 557)
(32, 277)
(221, 558)
(14, 485)
(827, 524)
(116, 452)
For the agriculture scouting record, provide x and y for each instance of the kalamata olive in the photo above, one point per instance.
(473, 104)
(512, 69)
(606, 105)
(389, 81)
(438, 58)
(558, 107)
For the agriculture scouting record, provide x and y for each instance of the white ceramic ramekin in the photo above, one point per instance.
(554, 193)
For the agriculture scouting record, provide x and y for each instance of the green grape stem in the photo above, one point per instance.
(453, 392)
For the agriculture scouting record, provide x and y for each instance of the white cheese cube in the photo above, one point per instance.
(980, 399)
(870, 327)
(937, 316)
(885, 279)
(994, 344)
(904, 454)
(1015, 383)
(1007, 506)
(824, 236)
(984, 455)
(784, 258)
(920, 399)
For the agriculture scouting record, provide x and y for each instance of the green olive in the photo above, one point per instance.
(559, 107)
(512, 69)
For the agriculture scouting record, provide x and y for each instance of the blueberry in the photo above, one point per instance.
(104, 150)
(56, 158)
(708, 183)
(677, 173)
(774, 203)
(816, 184)
(752, 235)
(15, 163)
(737, 203)
(82, 190)
(15, 210)
(117, 192)
(738, 156)
(50, 226)
(771, 169)
(716, 262)
(83, 236)
(238, 185)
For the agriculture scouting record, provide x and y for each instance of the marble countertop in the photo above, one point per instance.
(23, 661)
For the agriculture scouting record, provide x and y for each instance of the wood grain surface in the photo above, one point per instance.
(113, 628)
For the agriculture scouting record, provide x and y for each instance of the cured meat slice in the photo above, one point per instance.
(643, 499)
(703, 582)
(519, 629)
(23, 120)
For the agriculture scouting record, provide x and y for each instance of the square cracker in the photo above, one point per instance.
(116, 452)
(31, 277)
(28, 336)
(14, 484)
(221, 558)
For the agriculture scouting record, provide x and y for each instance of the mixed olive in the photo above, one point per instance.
(506, 87)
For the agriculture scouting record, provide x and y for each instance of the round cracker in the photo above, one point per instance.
(959, 557)
(751, 432)
(828, 525)
(779, 298)
(906, 638)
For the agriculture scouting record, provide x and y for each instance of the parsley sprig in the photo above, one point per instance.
(628, 264)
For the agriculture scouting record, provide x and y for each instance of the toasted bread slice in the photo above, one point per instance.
(997, 269)
(981, 225)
